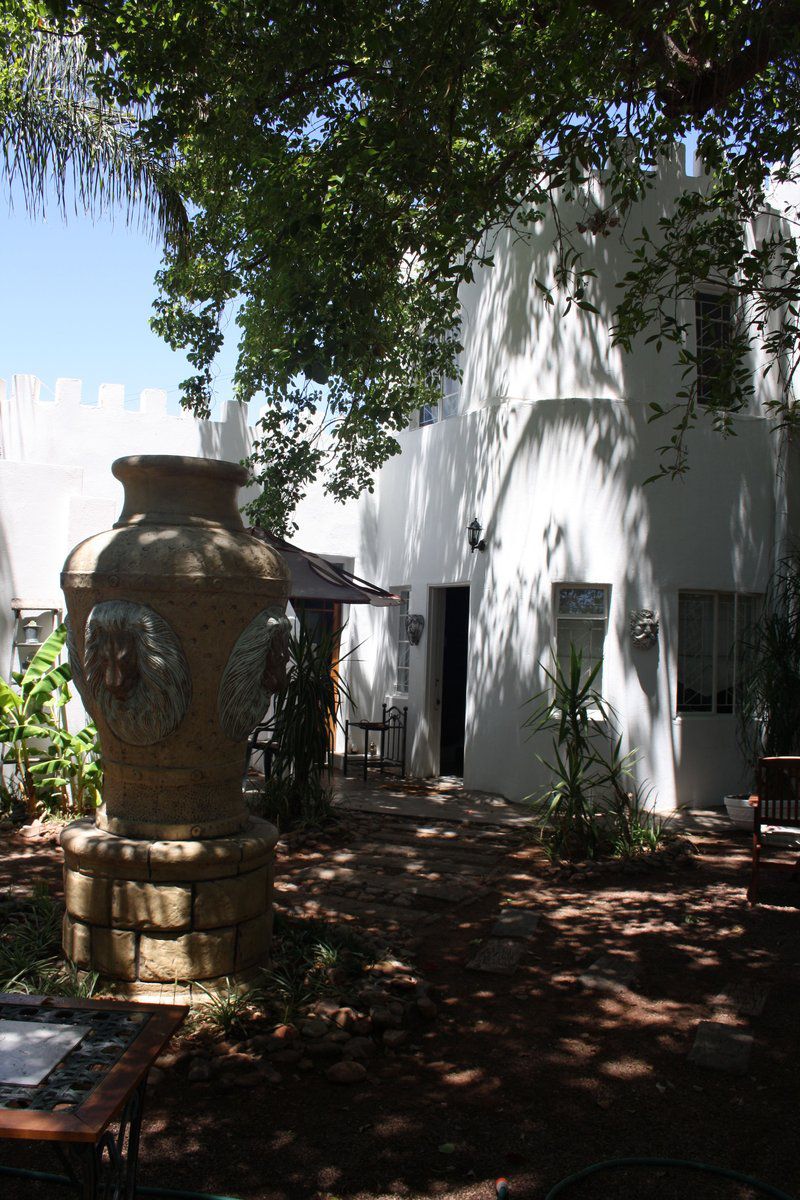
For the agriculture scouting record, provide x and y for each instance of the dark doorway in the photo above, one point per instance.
(454, 680)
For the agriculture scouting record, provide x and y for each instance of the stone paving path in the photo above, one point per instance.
(396, 873)
(401, 873)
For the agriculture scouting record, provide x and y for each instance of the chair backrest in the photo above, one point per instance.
(394, 734)
(779, 790)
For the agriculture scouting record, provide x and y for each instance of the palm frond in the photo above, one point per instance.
(59, 138)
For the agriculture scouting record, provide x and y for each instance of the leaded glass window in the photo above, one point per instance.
(581, 618)
(711, 626)
(714, 329)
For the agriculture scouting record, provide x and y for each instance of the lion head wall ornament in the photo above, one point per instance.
(415, 623)
(644, 628)
(134, 672)
(255, 671)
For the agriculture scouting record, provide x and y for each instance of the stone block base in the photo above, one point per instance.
(160, 916)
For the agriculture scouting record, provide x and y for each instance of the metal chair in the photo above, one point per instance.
(391, 748)
(262, 739)
(776, 802)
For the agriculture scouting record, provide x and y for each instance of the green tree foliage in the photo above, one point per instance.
(347, 159)
(39, 757)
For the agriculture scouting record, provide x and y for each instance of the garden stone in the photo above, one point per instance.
(611, 972)
(384, 1018)
(721, 1047)
(346, 1072)
(426, 1008)
(313, 1028)
(498, 956)
(323, 1049)
(199, 1071)
(339, 1035)
(359, 1047)
(270, 1076)
(394, 1038)
(287, 1058)
(516, 923)
(345, 1017)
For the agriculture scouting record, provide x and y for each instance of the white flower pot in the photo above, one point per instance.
(739, 811)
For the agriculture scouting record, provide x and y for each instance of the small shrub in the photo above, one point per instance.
(591, 806)
(228, 1011)
(30, 949)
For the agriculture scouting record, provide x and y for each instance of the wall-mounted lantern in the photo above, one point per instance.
(474, 530)
(33, 634)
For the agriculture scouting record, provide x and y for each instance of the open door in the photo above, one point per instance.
(448, 648)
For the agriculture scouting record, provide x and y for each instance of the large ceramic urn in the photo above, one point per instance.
(177, 641)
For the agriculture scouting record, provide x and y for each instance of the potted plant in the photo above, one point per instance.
(768, 691)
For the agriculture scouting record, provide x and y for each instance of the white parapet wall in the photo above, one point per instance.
(56, 486)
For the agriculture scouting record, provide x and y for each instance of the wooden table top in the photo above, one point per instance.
(140, 1033)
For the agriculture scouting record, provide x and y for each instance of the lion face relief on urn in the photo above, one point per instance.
(134, 674)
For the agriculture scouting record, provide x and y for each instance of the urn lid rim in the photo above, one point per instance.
(176, 465)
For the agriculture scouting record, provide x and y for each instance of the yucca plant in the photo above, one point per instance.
(306, 712)
(591, 803)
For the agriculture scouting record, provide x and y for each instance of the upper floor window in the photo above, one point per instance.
(402, 651)
(713, 313)
(581, 620)
(710, 630)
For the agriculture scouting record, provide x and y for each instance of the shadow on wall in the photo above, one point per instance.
(559, 480)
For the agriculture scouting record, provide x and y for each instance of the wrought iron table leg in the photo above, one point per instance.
(107, 1170)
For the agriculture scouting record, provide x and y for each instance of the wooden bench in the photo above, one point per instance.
(775, 802)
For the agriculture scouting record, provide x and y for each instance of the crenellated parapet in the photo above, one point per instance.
(26, 390)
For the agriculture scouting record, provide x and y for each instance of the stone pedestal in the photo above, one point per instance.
(157, 916)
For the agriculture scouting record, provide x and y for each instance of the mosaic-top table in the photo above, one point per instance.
(72, 1069)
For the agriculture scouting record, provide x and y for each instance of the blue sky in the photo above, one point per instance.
(75, 301)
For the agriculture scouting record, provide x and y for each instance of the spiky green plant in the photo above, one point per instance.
(591, 803)
(306, 709)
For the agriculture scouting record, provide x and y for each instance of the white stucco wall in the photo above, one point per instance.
(550, 449)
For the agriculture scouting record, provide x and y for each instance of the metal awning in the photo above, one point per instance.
(315, 578)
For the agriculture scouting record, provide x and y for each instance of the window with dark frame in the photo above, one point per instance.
(711, 626)
(714, 332)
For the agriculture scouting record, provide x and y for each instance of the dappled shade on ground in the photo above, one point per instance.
(532, 1075)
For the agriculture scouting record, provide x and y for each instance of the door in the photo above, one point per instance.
(451, 693)
(323, 619)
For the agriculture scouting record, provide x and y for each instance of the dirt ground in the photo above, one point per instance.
(531, 1076)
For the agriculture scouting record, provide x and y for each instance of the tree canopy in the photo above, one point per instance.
(344, 160)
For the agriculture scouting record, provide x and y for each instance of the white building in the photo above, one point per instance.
(547, 443)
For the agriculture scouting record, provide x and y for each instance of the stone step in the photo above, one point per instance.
(436, 889)
(470, 840)
(364, 911)
(455, 853)
(399, 865)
